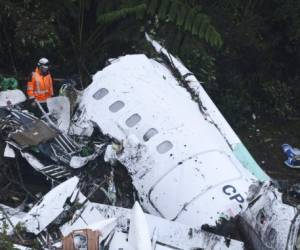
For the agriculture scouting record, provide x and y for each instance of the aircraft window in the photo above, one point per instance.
(150, 133)
(133, 120)
(164, 147)
(116, 106)
(99, 94)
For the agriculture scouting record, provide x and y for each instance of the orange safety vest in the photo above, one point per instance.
(40, 87)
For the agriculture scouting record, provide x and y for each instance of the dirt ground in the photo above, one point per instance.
(264, 139)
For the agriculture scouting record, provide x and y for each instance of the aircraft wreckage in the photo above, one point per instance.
(189, 169)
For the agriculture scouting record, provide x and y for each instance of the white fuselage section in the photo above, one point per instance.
(180, 163)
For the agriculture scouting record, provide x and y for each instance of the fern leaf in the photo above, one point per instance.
(141, 12)
(208, 34)
(190, 18)
(153, 6)
(197, 23)
(181, 16)
(173, 11)
(213, 37)
(120, 14)
(217, 39)
(203, 28)
(163, 10)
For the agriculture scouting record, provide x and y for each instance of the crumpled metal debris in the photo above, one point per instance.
(111, 192)
(9, 152)
(56, 226)
(46, 138)
(59, 108)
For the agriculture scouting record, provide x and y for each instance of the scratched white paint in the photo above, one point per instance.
(199, 166)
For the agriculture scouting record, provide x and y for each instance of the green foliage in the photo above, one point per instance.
(19, 40)
(164, 9)
(36, 245)
(93, 28)
(173, 13)
(5, 241)
(116, 15)
(72, 32)
(187, 17)
(246, 51)
(256, 69)
(190, 20)
(279, 94)
(181, 15)
(20, 228)
(42, 36)
(153, 6)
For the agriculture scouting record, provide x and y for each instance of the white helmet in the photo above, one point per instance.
(43, 65)
(43, 62)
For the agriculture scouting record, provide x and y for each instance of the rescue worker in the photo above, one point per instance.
(41, 85)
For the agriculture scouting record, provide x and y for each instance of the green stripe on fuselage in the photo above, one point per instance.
(243, 155)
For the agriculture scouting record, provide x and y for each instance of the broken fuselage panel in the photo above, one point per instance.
(267, 223)
(177, 158)
(186, 162)
(41, 141)
(134, 229)
(64, 219)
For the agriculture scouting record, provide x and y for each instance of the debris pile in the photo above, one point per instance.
(65, 219)
(61, 148)
(136, 138)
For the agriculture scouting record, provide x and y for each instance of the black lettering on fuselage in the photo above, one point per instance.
(232, 193)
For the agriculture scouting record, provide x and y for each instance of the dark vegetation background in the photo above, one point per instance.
(245, 51)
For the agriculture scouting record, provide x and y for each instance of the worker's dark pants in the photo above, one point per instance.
(34, 109)
(44, 106)
(39, 113)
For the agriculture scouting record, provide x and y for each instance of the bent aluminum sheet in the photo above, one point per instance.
(185, 161)
(50, 206)
(36, 132)
(170, 234)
